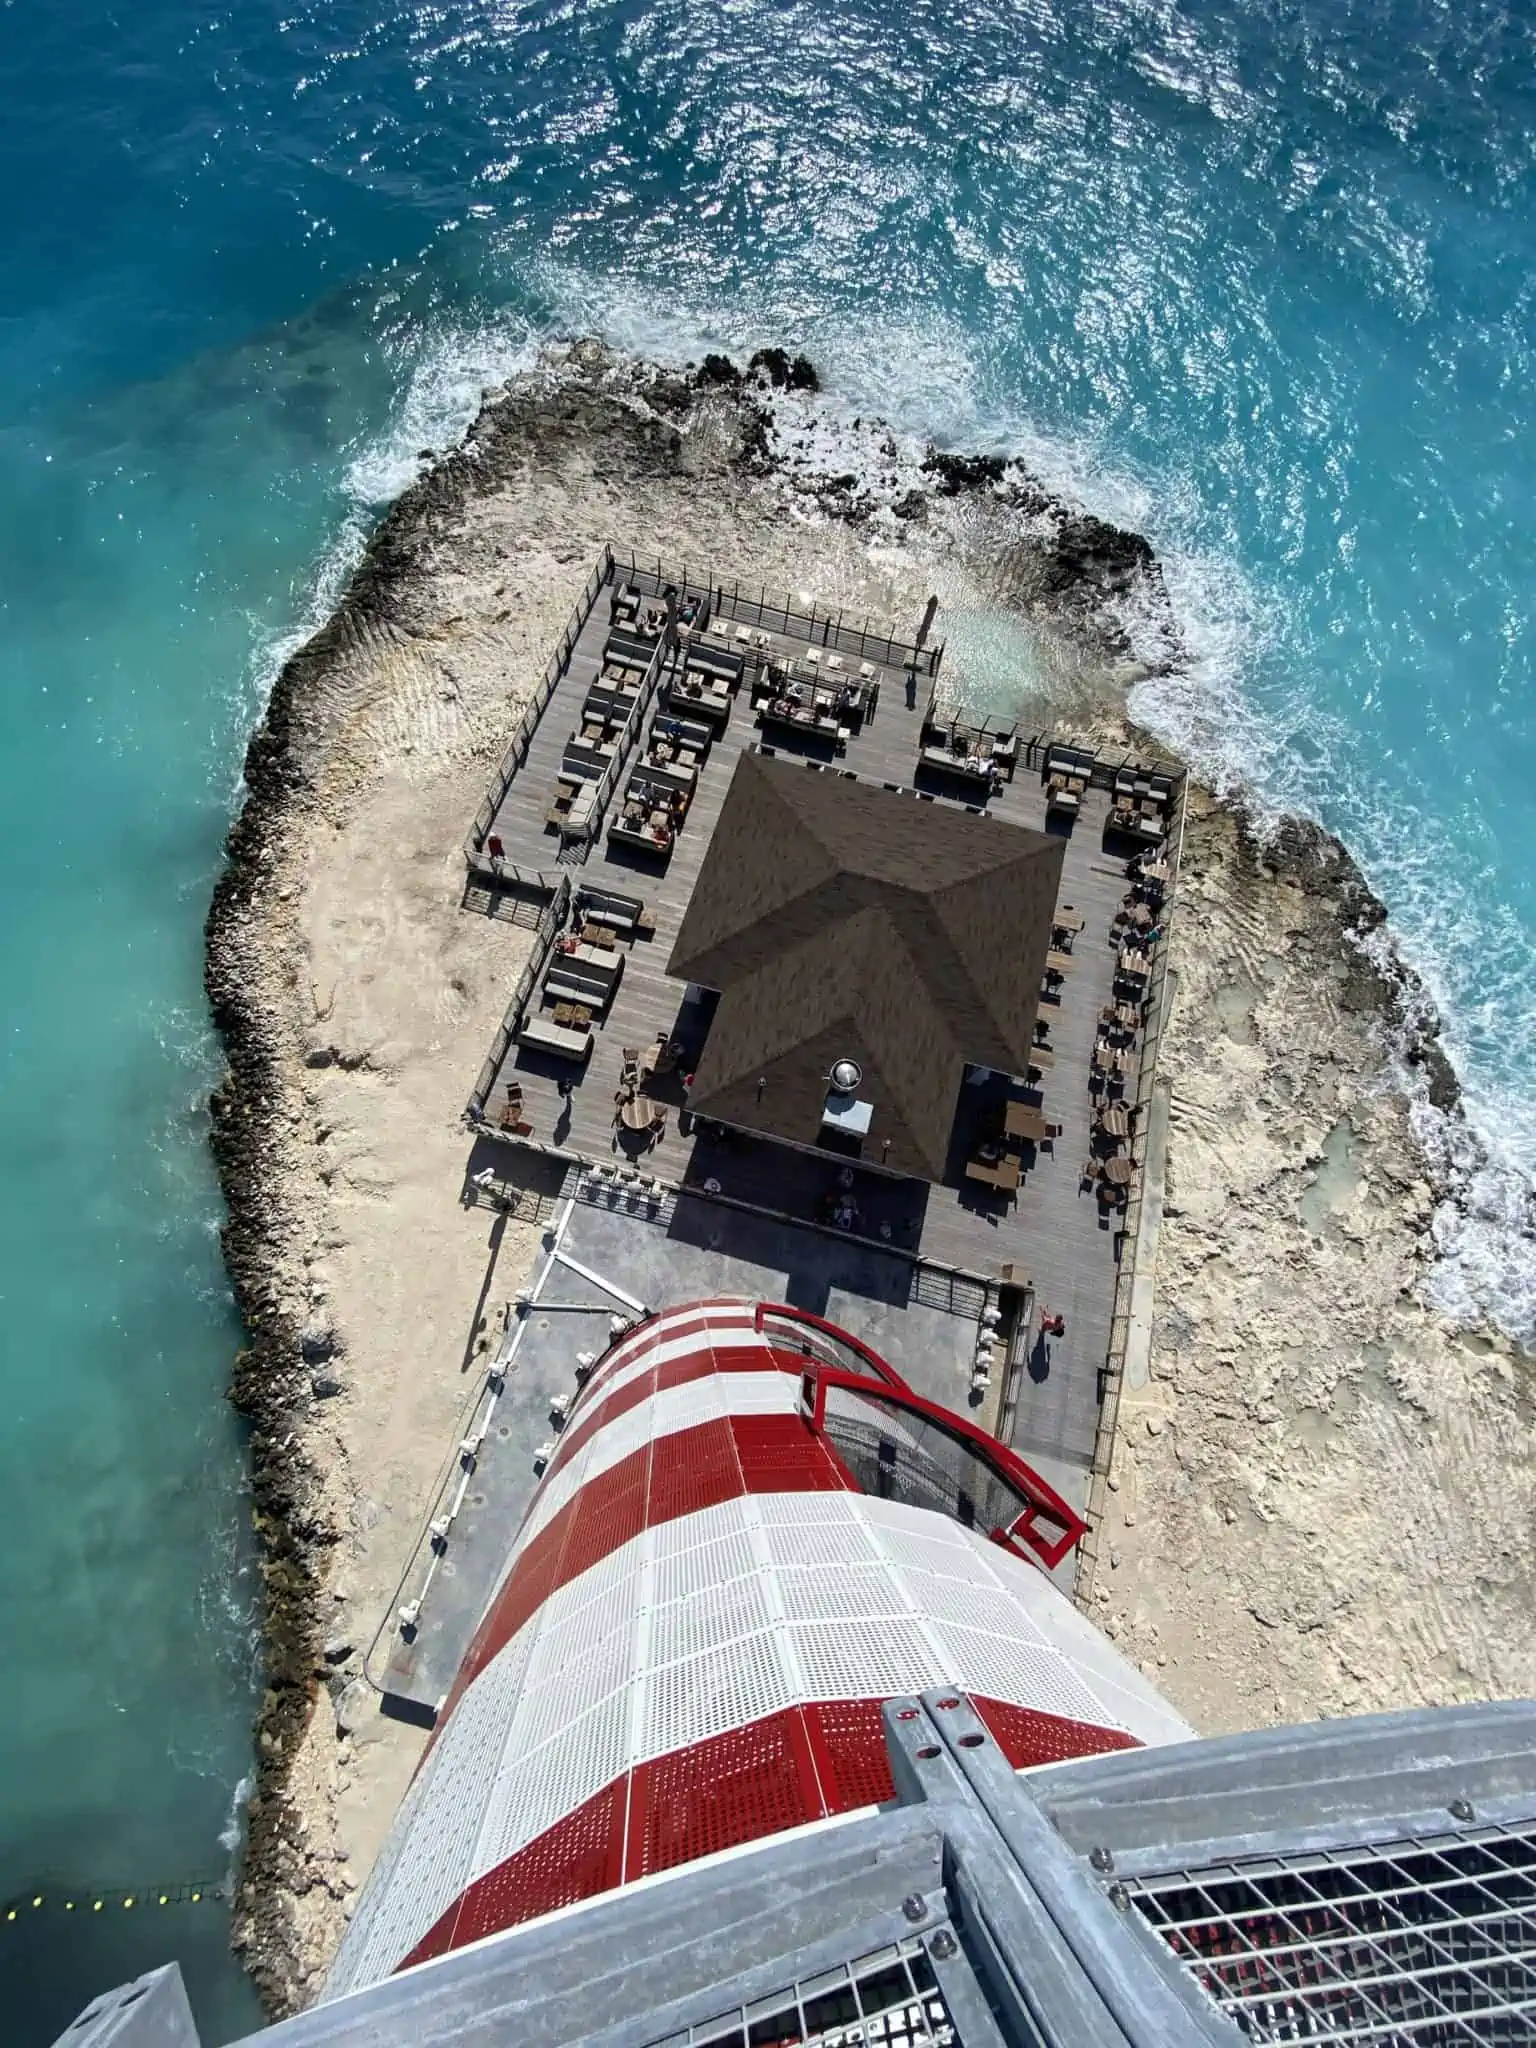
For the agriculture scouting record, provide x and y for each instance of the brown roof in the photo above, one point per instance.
(844, 921)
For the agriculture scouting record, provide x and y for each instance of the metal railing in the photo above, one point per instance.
(1112, 1372)
(550, 922)
(777, 615)
(513, 760)
(1102, 768)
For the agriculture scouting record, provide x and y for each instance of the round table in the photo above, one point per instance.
(636, 1114)
(1118, 1172)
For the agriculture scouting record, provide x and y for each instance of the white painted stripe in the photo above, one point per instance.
(753, 1605)
(722, 1314)
(719, 1337)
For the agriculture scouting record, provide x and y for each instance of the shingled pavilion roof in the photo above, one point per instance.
(841, 921)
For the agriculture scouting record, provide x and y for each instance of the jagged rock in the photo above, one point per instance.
(318, 1343)
(717, 369)
(352, 1705)
(338, 1650)
(326, 1383)
(785, 372)
(1089, 550)
(914, 505)
(957, 473)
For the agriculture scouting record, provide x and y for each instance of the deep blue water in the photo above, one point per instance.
(1258, 277)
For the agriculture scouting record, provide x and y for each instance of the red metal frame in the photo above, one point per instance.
(1031, 1532)
(888, 1373)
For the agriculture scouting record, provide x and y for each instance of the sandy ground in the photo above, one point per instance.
(1323, 1499)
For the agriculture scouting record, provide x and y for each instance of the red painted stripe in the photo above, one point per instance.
(733, 1788)
(802, 1764)
(691, 1319)
(677, 1372)
(676, 1475)
(576, 1859)
(1027, 1738)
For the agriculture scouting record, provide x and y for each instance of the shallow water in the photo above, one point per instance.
(1256, 277)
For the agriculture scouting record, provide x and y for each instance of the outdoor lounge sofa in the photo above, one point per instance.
(585, 974)
(611, 907)
(542, 1034)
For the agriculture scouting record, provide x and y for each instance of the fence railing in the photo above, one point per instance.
(1112, 1372)
(1099, 768)
(550, 922)
(771, 613)
(513, 760)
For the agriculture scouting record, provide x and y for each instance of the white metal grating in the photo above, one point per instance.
(530, 1792)
(683, 1571)
(709, 1695)
(858, 1659)
(692, 1626)
(1024, 1673)
(827, 1545)
(1413, 1944)
(854, 1591)
(806, 1510)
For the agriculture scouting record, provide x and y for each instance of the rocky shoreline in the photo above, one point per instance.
(351, 1024)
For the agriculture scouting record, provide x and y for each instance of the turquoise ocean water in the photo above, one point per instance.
(1255, 277)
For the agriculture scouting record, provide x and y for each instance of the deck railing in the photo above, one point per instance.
(550, 921)
(764, 609)
(1112, 1372)
(513, 760)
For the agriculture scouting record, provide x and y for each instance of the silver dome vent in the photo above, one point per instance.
(846, 1076)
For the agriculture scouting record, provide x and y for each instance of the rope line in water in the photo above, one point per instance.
(114, 1898)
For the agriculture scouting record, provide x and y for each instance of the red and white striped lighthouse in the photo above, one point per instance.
(751, 1534)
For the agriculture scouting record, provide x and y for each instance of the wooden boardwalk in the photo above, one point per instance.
(520, 817)
(1054, 1235)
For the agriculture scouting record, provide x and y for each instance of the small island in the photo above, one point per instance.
(629, 901)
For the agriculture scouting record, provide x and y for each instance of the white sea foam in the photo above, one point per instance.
(442, 393)
(233, 1831)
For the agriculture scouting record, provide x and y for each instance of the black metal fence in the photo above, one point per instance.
(517, 752)
(769, 613)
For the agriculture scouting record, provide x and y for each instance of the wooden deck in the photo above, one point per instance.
(1052, 1231)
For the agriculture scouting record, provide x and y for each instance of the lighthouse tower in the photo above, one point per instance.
(751, 1535)
(779, 1733)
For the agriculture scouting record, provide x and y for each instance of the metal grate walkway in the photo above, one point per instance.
(1420, 1942)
